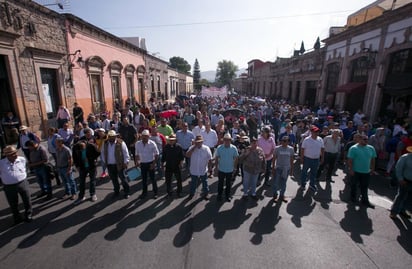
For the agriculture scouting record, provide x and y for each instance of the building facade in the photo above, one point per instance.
(33, 51)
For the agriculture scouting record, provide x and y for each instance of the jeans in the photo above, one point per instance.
(178, 175)
(280, 181)
(399, 202)
(228, 184)
(145, 169)
(43, 178)
(268, 170)
(249, 183)
(83, 172)
(330, 160)
(194, 183)
(114, 175)
(70, 186)
(311, 164)
(12, 192)
(363, 180)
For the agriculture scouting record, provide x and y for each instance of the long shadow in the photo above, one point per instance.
(198, 223)
(230, 219)
(265, 222)
(136, 219)
(168, 220)
(324, 195)
(55, 226)
(300, 206)
(356, 222)
(404, 239)
(380, 185)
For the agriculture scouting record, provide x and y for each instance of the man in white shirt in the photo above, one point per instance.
(197, 130)
(200, 156)
(209, 139)
(13, 176)
(146, 156)
(116, 157)
(311, 154)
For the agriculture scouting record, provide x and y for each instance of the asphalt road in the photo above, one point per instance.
(312, 230)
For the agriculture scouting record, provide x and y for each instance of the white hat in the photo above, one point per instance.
(227, 136)
(146, 132)
(112, 133)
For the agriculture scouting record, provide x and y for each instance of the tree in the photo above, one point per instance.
(196, 76)
(302, 48)
(225, 73)
(180, 64)
(317, 44)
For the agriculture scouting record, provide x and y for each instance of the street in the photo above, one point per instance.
(312, 230)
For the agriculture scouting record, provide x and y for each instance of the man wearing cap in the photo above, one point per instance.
(64, 162)
(116, 157)
(404, 175)
(267, 142)
(209, 139)
(13, 176)
(172, 159)
(184, 138)
(25, 136)
(84, 158)
(200, 156)
(311, 155)
(226, 158)
(146, 155)
(282, 166)
(37, 162)
(361, 164)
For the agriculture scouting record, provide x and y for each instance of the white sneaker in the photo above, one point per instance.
(94, 198)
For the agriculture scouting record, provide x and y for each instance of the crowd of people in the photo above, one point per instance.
(260, 141)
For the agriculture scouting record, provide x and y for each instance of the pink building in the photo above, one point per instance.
(105, 71)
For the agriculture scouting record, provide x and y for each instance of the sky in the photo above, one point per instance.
(216, 30)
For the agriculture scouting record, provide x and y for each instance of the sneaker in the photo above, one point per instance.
(73, 197)
(94, 198)
(283, 199)
(275, 198)
(79, 200)
(66, 196)
(103, 175)
(206, 196)
(392, 216)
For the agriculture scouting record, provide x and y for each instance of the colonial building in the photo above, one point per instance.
(33, 63)
(368, 66)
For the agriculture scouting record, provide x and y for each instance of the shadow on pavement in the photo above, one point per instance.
(265, 222)
(356, 222)
(300, 206)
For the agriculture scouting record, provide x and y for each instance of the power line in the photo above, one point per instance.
(228, 21)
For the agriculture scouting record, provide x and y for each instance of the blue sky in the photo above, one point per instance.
(235, 30)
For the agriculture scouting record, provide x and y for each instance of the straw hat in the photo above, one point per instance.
(9, 150)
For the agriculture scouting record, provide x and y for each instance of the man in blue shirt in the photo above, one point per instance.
(184, 138)
(226, 157)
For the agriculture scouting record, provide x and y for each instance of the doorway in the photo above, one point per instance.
(50, 94)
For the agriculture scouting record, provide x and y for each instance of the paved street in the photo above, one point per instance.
(311, 231)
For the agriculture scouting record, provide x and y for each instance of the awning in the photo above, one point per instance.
(351, 87)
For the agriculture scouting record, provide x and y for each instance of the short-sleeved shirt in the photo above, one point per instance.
(166, 130)
(361, 157)
(146, 152)
(185, 138)
(39, 154)
(13, 173)
(283, 155)
(312, 147)
(63, 156)
(227, 157)
(199, 160)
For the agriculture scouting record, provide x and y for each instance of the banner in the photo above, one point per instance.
(214, 92)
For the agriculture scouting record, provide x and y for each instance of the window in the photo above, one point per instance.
(333, 77)
(360, 69)
(95, 66)
(115, 68)
(129, 71)
(401, 62)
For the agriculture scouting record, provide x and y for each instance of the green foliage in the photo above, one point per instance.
(180, 64)
(196, 76)
(225, 73)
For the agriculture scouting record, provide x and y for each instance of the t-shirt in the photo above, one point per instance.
(283, 155)
(312, 147)
(361, 157)
(227, 156)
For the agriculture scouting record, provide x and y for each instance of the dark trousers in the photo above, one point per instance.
(12, 192)
(224, 179)
(363, 180)
(268, 171)
(83, 172)
(56, 171)
(114, 175)
(145, 168)
(330, 160)
(43, 179)
(168, 175)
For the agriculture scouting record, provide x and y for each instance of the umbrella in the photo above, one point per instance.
(233, 111)
(168, 113)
